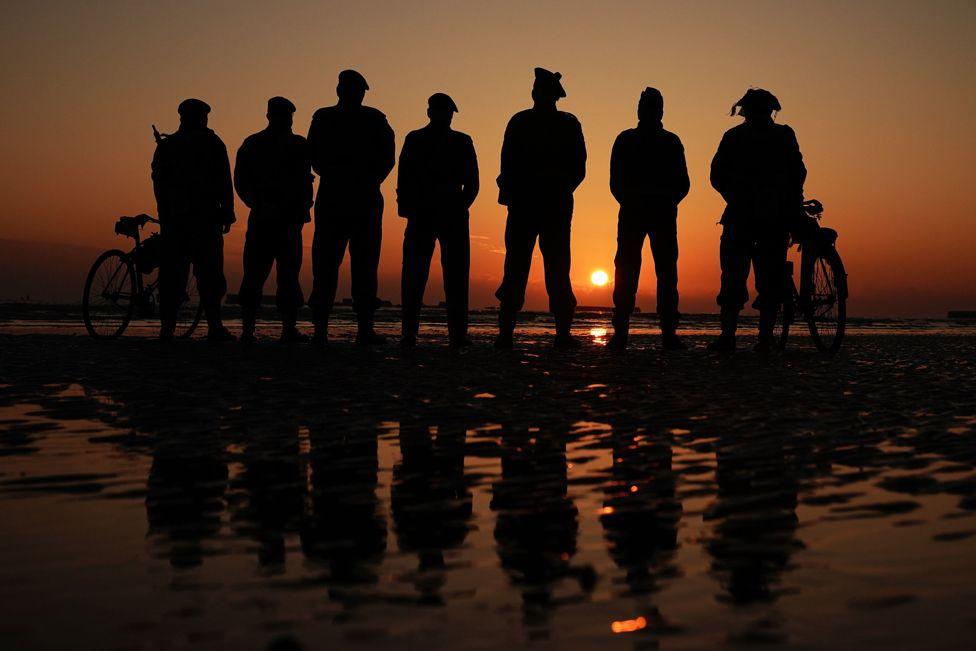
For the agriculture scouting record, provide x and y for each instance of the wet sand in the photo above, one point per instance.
(194, 496)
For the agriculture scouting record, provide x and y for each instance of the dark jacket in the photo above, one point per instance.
(438, 173)
(273, 176)
(543, 157)
(352, 149)
(191, 179)
(759, 171)
(648, 169)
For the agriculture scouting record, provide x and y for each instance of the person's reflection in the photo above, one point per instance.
(640, 511)
(755, 511)
(430, 500)
(272, 486)
(343, 528)
(537, 523)
(185, 494)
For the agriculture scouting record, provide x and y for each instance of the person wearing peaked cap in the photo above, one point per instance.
(648, 178)
(273, 178)
(543, 161)
(195, 203)
(759, 171)
(437, 181)
(353, 151)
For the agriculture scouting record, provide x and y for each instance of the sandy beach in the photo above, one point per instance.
(193, 496)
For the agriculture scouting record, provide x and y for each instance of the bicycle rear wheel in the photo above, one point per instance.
(826, 306)
(191, 309)
(109, 300)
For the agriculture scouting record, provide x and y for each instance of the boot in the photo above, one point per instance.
(767, 321)
(217, 333)
(506, 330)
(564, 339)
(290, 333)
(669, 337)
(408, 333)
(247, 329)
(725, 342)
(621, 332)
(367, 336)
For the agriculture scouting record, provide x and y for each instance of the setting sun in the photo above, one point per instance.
(599, 278)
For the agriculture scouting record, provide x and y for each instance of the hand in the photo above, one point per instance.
(225, 229)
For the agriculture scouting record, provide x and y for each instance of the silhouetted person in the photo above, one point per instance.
(352, 152)
(195, 204)
(759, 171)
(543, 161)
(649, 178)
(273, 177)
(438, 182)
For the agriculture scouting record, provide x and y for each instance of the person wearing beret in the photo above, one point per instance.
(543, 161)
(437, 181)
(273, 177)
(195, 204)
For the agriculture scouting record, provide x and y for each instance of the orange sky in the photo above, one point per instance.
(881, 95)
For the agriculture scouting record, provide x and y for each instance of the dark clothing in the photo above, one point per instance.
(352, 150)
(648, 177)
(438, 182)
(195, 200)
(418, 249)
(201, 246)
(759, 171)
(273, 177)
(543, 162)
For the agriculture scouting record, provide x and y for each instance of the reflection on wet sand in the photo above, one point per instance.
(480, 500)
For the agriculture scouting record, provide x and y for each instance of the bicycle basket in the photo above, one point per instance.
(148, 255)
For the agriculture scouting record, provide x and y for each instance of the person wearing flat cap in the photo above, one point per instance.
(195, 204)
(437, 181)
(273, 177)
(649, 178)
(353, 151)
(543, 161)
(758, 169)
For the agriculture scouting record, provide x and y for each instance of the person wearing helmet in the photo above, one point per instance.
(436, 185)
(195, 203)
(649, 178)
(759, 171)
(273, 177)
(543, 161)
(353, 151)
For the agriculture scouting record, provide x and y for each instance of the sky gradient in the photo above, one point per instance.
(881, 95)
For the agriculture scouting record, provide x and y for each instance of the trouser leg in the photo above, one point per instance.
(259, 252)
(328, 248)
(554, 243)
(664, 248)
(627, 265)
(520, 236)
(208, 268)
(769, 262)
(364, 259)
(418, 249)
(456, 266)
(174, 271)
(735, 256)
(289, 296)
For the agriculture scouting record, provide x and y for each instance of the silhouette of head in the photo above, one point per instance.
(650, 107)
(547, 89)
(193, 113)
(352, 88)
(280, 113)
(756, 105)
(441, 109)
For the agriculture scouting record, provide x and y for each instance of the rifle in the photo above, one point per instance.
(157, 135)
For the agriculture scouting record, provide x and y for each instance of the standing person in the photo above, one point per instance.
(649, 178)
(195, 203)
(437, 183)
(352, 151)
(759, 171)
(543, 162)
(273, 178)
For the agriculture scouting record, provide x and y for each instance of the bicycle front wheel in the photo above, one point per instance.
(191, 309)
(109, 300)
(826, 306)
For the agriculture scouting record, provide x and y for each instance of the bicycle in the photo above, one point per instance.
(822, 297)
(115, 290)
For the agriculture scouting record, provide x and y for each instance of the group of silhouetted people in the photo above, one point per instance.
(758, 170)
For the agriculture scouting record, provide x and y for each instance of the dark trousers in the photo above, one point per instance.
(203, 248)
(270, 242)
(358, 226)
(418, 248)
(662, 230)
(741, 248)
(551, 225)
